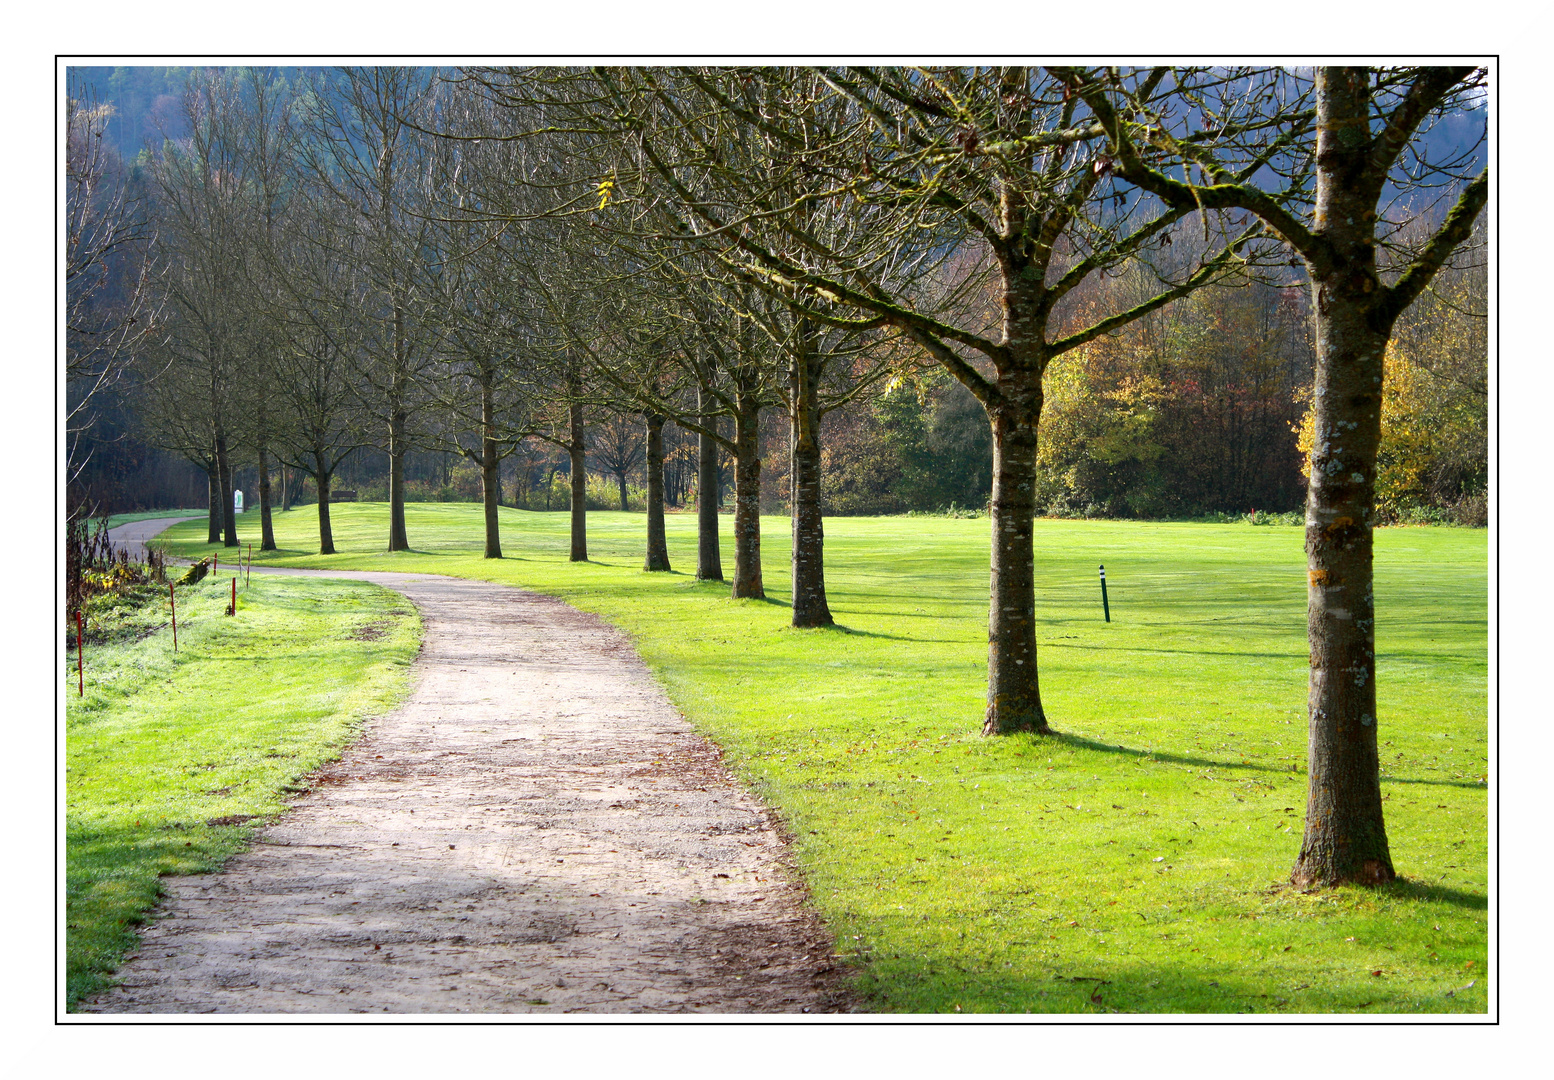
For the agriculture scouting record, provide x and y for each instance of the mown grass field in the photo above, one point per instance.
(173, 759)
(1137, 861)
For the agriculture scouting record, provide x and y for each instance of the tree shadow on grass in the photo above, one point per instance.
(1408, 889)
(1236, 653)
(1082, 743)
(838, 628)
(1475, 784)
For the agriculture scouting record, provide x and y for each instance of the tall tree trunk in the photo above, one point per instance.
(1345, 837)
(709, 560)
(326, 534)
(747, 499)
(224, 470)
(213, 486)
(809, 577)
(577, 450)
(490, 469)
(1013, 689)
(285, 489)
(266, 525)
(397, 538)
(657, 543)
(620, 481)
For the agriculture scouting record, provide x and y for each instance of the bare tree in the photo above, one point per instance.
(1368, 159)
(171, 412)
(993, 162)
(367, 154)
(618, 449)
(205, 190)
(321, 294)
(110, 311)
(267, 140)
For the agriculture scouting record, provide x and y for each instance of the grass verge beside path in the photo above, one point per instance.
(115, 520)
(1134, 863)
(172, 759)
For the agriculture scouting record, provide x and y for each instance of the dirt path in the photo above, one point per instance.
(133, 537)
(536, 830)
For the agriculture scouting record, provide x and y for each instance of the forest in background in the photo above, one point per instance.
(1200, 408)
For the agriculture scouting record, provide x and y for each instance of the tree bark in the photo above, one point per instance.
(620, 481)
(213, 486)
(709, 560)
(224, 470)
(266, 524)
(326, 535)
(747, 499)
(809, 579)
(397, 538)
(1013, 688)
(490, 469)
(657, 543)
(1345, 836)
(577, 450)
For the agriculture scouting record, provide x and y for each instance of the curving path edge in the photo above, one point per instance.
(537, 829)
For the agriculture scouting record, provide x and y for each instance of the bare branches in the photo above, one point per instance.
(1453, 231)
(111, 315)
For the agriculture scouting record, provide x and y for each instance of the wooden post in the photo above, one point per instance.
(172, 600)
(80, 666)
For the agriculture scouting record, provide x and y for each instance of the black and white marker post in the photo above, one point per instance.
(1105, 607)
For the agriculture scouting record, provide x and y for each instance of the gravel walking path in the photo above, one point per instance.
(536, 830)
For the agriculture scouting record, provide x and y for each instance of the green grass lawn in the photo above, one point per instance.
(173, 759)
(1135, 862)
(115, 520)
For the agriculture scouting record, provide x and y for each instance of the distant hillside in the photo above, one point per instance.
(146, 101)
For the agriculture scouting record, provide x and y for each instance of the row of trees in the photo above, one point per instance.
(472, 260)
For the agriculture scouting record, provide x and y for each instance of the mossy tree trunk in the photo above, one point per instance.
(577, 451)
(326, 535)
(398, 539)
(1360, 145)
(809, 579)
(266, 522)
(747, 498)
(1013, 684)
(224, 472)
(709, 559)
(657, 543)
(213, 489)
(490, 462)
(1345, 836)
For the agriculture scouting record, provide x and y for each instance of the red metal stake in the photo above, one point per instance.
(233, 609)
(173, 600)
(249, 578)
(215, 565)
(80, 669)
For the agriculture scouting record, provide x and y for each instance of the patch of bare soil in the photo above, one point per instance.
(536, 830)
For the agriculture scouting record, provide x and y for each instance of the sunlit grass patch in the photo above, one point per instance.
(1136, 861)
(173, 758)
